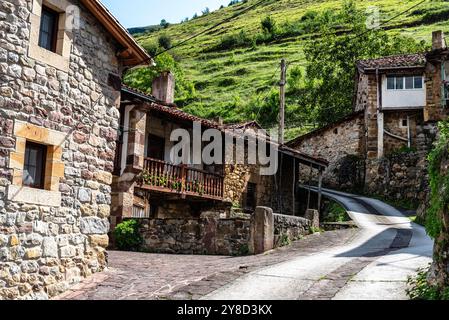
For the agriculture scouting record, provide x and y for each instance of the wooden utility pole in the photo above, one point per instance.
(282, 99)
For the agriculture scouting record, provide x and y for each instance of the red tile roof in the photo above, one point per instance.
(417, 60)
(170, 109)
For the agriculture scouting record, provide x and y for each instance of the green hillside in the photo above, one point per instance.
(235, 63)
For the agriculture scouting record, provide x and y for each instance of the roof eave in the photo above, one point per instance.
(133, 54)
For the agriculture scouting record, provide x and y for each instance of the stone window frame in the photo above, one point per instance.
(61, 58)
(54, 166)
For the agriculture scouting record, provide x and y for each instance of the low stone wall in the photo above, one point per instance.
(212, 235)
(289, 227)
(206, 235)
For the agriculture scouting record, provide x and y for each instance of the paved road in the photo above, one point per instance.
(374, 265)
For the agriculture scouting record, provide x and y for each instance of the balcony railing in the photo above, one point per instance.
(165, 177)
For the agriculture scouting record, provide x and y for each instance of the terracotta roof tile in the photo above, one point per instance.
(170, 109)
(417, 60)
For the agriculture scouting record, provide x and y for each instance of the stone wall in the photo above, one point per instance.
(237, 177)
(403, 175)
(207, 235)
(44, 247)
(211, 234)
(333, 143)
(289, 227)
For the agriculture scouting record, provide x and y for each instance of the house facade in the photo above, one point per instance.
(151, 186)
(60, 68)
(382, 147)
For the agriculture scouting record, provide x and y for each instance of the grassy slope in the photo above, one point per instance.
(254, 71)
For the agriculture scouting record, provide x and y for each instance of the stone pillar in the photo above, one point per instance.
(314, 217)
(123, 190)
(136, 141)
(262, 230)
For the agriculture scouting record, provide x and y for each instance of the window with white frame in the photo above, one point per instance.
(405, 82)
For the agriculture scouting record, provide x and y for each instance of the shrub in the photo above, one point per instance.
(152, 48)
(127, 236)
(336, 213)
(268, 25)
(241, 39)
(419, 288)
(165, 41)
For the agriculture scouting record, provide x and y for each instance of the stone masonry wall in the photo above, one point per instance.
(405, 175)
(213, 235)
(333, 144)
(289, 227)
(44, 249)
(207, 235)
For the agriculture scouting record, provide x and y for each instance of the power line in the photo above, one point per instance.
(236, 15)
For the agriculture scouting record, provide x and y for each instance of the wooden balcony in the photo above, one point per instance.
(160, 176)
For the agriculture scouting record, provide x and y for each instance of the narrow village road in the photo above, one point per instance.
(374, 265)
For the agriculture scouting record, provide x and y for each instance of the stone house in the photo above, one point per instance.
(382, 146)
(61, 62)
(149, 185)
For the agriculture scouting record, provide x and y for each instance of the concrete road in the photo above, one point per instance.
(374, 265)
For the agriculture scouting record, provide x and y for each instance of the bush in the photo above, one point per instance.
(268, 25)
(165, 41)
(152, 48)
(127, 236)
(336, 213)
(241, 39)
(419, 288)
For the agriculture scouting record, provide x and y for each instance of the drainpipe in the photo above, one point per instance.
(380, 119)
(409, 133)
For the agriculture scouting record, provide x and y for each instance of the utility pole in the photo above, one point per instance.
(282, 99)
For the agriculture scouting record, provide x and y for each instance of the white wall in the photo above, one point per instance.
(402, 98)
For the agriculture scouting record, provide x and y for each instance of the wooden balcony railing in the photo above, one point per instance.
(161, 176)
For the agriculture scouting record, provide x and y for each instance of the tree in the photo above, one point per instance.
(165, 41)
(330, 72)
(206, 11)
(164, 24)
(268, 25)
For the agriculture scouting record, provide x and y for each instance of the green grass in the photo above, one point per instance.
(224, 80)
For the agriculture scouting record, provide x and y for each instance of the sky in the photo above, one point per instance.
(140, 13)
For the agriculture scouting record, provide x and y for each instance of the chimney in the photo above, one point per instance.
(438, 40)
(163, 87)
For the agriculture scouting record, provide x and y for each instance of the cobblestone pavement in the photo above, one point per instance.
(141, 276)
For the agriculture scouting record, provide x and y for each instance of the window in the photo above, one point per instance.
(391, 83)
(407, 83)
(34, 166)
(418, 82)
(404, 123)
(399, 83)
(48, 32)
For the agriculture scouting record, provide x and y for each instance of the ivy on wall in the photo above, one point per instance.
(439, 182)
